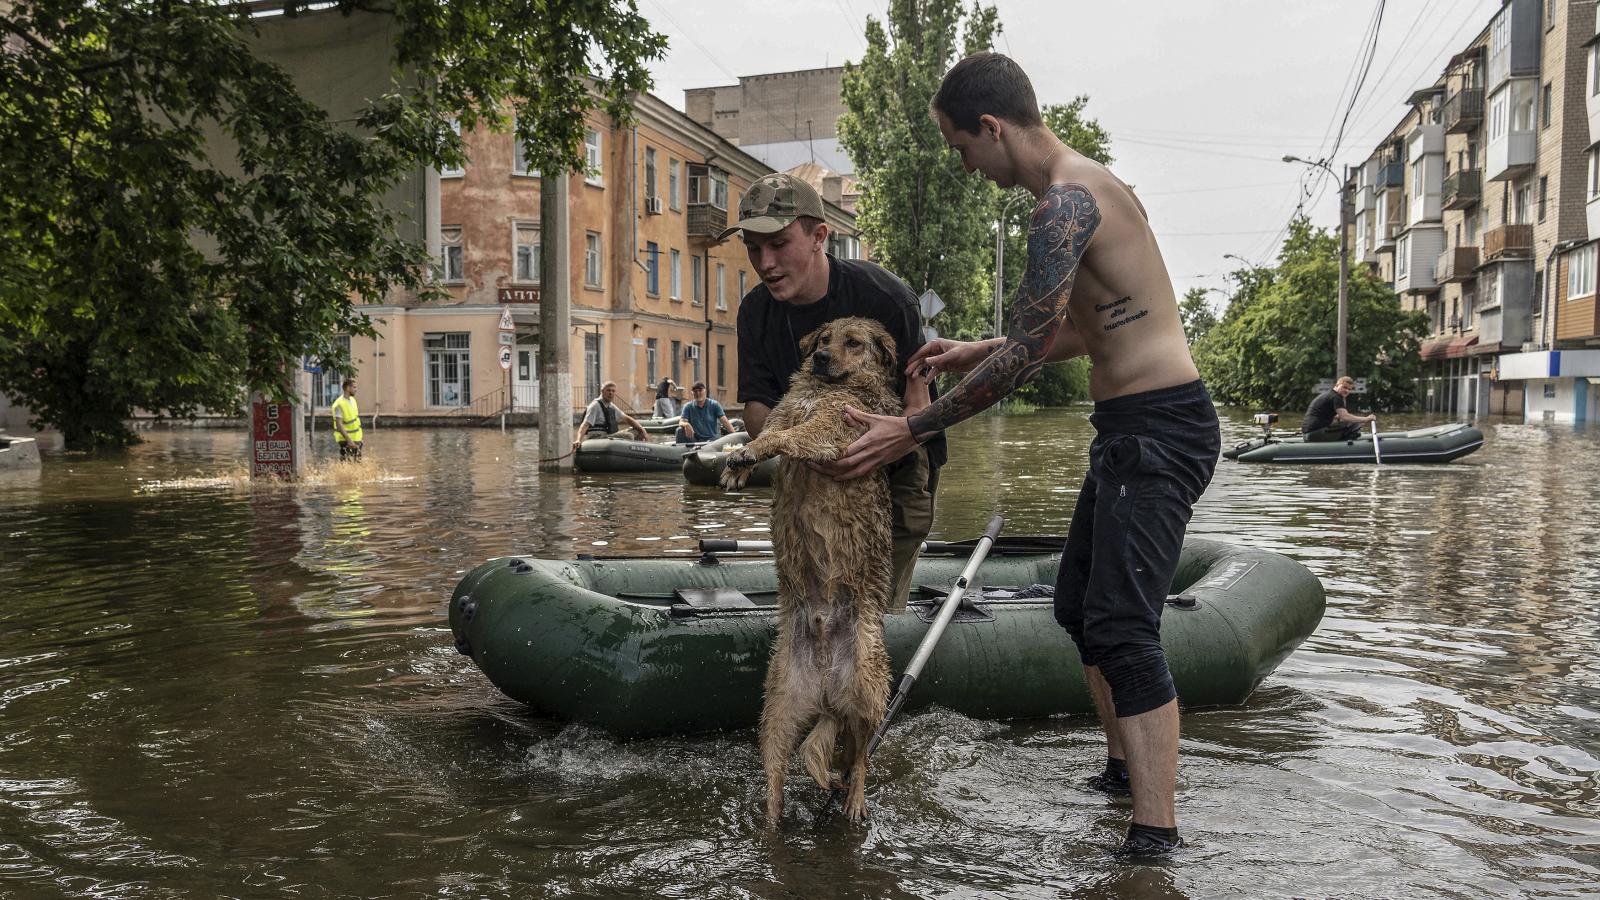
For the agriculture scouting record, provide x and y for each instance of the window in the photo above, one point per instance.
(1524, 202)
(708, 184)
(742, 288)
(722, 298)
(591, 364)
(844, 246)
(1544, 119)
(652, 269)
(1418, 166)
(1522, 112)
(722, 367)
(447, 368)
(1466, 310)
(1402, 254)
(652, 349)
(453, 171)
(1544, 191)
(1594, 69)
(1500, 33)
(326, 385)
(1549, 390)
(519, 157)
(1580, 272)
(650, 173)
(672, 184)
(1497, 114)
(591, 150)
(526, 242)
(676, 275)
(452, 255)
(1594, 173)
(591, 259)
(697, 280)
(675, 364)
(694, 359)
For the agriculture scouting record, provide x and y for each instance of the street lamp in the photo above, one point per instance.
(1000, 259)
(1344, 258)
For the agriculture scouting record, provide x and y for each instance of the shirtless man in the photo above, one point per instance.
(1095, 284)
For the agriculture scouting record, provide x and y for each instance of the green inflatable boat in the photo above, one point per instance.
(1438, 444)
(705, 465)
(624, 455)
(642, 647)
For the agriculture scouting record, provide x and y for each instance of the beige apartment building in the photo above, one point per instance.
(653, 295)
(1479, 208)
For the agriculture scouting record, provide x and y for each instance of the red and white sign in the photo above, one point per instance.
(506, 322)
(505, 358)
(271, 439)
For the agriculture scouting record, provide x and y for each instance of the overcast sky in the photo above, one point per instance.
(1202, 97)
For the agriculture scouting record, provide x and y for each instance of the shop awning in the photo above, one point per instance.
(1458, 347)
(1434, 349)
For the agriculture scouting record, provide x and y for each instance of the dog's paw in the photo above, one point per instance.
(855, 809)
(737, 472)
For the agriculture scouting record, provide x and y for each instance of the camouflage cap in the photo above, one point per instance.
(772, 203)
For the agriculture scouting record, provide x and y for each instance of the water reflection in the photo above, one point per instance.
(208, 684)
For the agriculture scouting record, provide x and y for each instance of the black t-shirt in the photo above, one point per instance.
(770, 331)
(1323, 411)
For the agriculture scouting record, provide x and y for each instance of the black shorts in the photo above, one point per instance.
(1152, 457)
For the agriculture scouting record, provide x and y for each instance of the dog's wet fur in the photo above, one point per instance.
(833, 543)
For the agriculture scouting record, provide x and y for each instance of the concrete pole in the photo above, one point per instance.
(555, 327)
(1344, 275)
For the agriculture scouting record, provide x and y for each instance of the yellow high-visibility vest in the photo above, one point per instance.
(348, 414)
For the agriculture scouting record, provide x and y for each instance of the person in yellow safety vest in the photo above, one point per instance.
(347, 422)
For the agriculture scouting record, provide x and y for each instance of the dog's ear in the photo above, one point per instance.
(883, 346)
(808, 344)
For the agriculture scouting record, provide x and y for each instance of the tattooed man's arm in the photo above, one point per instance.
(1063, 224)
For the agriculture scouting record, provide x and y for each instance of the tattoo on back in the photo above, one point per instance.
(1063, 223)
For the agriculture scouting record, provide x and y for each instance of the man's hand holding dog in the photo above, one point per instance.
(887, 438)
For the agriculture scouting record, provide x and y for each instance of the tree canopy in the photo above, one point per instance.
(1276, 339)
(179, 224)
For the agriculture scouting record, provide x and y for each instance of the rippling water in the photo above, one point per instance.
(214, 689)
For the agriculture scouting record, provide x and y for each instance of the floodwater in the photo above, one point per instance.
(211, 689)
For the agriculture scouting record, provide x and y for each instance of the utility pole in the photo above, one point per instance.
(1345, 204)
(555, 314)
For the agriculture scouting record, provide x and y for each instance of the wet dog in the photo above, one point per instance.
(833, 543)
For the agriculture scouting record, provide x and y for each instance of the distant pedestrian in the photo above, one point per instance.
(605, 419)
(347, 422)
(1328, 420)
(666, 401)
(703, 418)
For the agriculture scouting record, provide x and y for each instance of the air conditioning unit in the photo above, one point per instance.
(652, 206)
(691, 351)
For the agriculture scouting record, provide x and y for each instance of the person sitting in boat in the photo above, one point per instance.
(1328, 420)
(605, 419)
(703, 418)
(666, 399)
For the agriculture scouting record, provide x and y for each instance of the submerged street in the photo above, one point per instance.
(213, 688)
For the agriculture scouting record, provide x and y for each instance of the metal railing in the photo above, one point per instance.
(1463, 111)
(1462, 189)
(1456, 264)
(490, 404)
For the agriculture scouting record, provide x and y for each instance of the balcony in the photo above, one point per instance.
(1463, 188)
(1456, 265)
(1391, 173)
(1463, 112)
(1387, 235)
(707, 220)
(1508, 242)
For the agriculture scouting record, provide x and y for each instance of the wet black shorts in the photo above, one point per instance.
(1152, 457)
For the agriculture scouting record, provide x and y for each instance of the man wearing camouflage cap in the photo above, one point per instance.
(801, 288)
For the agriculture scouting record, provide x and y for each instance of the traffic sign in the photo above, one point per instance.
(506, 323)
(309, 366)
(505, 358)
(930, 304)
(507, 338)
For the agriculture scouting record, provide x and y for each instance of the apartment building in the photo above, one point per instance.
(653, 295)
(1475, 208)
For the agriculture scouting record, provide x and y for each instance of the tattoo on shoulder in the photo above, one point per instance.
(1115, 314)
(1063, 223)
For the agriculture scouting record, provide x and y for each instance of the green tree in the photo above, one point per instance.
(927, 220)
(178, 224)
(1196, 314)
(1275, 341)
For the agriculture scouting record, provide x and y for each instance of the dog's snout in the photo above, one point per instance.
(820, 360)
